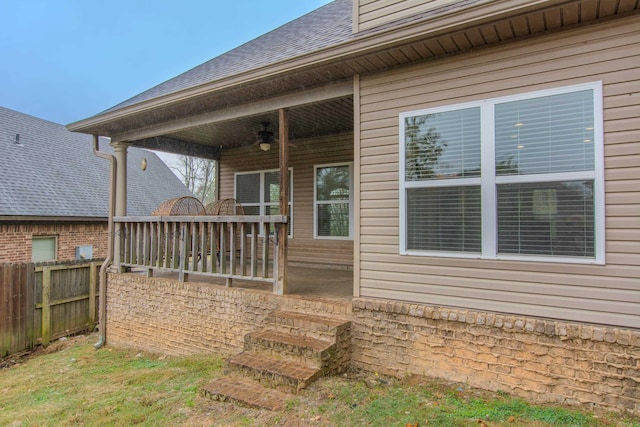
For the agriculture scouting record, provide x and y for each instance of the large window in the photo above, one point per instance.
(506, 178)
(333, 200)
(259, 193)
(43, 248)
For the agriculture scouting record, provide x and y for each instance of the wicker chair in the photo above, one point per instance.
(225, 207)
(185, 205)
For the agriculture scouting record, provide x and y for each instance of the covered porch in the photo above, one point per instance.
(277, 164)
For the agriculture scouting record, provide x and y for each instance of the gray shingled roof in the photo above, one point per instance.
(52, 172)
(321, 28)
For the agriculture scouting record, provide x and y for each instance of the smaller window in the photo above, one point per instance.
(333, 200)
(43, 249)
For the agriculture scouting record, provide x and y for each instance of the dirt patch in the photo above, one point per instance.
(53, 347)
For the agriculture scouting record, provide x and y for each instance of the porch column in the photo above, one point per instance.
(283, 229)
(120, 152)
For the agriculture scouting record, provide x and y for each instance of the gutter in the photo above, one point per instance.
(102, 299)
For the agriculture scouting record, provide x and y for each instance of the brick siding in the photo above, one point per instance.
(165, 316)
(539, 359)
(15, 239)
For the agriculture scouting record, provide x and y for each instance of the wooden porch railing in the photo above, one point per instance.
(229, 247)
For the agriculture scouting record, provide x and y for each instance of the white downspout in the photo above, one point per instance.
(102, 299)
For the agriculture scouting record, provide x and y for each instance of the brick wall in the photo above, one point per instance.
(541, 360)
(165, 316)
(15, 239)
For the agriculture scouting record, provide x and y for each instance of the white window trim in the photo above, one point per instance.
(488, 181)
(316, 202)
(262, 204)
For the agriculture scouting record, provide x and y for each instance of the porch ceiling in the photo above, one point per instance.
(305, 121)
(465, 29)
(325, 118)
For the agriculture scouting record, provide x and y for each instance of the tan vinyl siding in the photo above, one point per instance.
(608, 294)
(372, 13)
(303, 155)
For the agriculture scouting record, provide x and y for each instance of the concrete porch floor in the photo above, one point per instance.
(303, 280)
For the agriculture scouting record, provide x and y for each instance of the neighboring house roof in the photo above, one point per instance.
(51, 172)
(321, 28)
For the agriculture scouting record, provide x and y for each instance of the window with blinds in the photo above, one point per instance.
(259, 193)
(510, 177)
(333, 200)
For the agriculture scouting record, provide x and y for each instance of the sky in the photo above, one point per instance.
(67, 60)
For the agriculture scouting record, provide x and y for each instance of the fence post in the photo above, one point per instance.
(46, 308)
(93, 276)
(5, 315)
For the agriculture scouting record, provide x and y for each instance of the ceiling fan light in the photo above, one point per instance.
(265, 146)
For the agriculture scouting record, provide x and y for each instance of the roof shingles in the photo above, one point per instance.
(53, 173)
(322, 28)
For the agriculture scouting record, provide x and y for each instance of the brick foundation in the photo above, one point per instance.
(165, 316)
(541, 360)
(15, 239)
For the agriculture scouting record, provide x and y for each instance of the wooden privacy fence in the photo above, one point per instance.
(41, 302)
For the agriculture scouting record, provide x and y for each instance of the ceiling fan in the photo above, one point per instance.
(265, 138)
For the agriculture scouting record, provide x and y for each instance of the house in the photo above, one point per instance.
(54, 191)
(474, 163)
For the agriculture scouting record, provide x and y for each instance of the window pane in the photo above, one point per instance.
(443, 145)
(546, 218)
(444, 219)
(248, 188)
(333, 220)
(271, 187)
(332, 183)
(251, 210)
(545, 135)
(43, 249)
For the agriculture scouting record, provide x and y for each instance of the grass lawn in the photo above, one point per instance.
(70, 383)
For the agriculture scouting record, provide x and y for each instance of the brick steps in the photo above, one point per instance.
(297, 347)
(307, 325)
(290, 352)
(247, 392)
(289, 374)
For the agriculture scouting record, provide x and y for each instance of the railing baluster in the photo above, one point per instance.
(177, 236)
(124, 228)
(160, 240)
(152, 244)
(223, 248)
(213, 249)
(194, 252)
(203, 247)
(265, 249)
(132, 242)
(232, 247)
(183, 252)
(254, 249)
(145, 244)
(243, 248)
